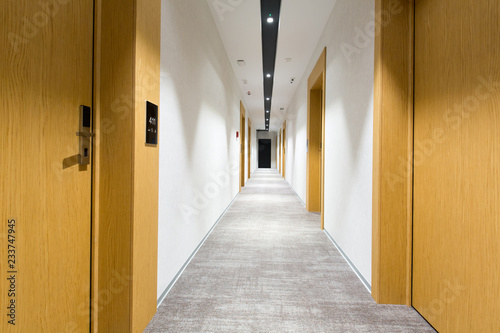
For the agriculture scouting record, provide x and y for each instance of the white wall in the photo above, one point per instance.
(349, 39)
(267, 135)
(199, 117)
(254, 159)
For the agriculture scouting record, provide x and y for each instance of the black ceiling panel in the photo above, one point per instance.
(269, 9)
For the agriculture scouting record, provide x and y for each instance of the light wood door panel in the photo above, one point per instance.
(242, 145)
(314, 162)
(283, 143)
(456, 264)
(249, 148)
(279, 150)
(46, 73)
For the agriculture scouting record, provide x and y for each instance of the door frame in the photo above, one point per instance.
(316, 85)
(123, 282)
(392, 214)
(249, 154)
(283, 146)
(242, 145)
(278, 153)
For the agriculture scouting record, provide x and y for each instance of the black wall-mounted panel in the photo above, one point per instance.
(151, 123)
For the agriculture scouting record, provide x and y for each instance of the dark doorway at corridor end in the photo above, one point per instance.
(264, 153)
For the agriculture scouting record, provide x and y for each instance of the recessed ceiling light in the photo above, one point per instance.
(267, 119)
(268, 75)
(267, 99)
(270, 19)
(267, 111)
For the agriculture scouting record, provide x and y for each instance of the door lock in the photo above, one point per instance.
(85, 133)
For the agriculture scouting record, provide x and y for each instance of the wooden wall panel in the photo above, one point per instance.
(146, 166)
(313, 188)
(127, 46)
(315, 136)
(392, 151)
(242, 145)
(283, 148)
(456, 265)
(114, 113)
(249, 152)
(279, 151)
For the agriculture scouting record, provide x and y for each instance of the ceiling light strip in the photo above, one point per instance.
(270, 15)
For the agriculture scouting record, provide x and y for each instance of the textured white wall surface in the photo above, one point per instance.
(349, 39)
(199, 117)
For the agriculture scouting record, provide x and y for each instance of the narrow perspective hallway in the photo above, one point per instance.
(268, 267)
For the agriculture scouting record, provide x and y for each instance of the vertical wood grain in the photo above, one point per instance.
(409, 172)
(116, 37)
(242, 145)
(145, 165)
(315, 136)
(313, 185)
(279, 154)
(46, 74)
(249, 147)
(457, 165)
(391, 152)
(283, 148)
(96, 178)
(126, 202)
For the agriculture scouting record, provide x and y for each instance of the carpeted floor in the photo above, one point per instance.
(268, 267)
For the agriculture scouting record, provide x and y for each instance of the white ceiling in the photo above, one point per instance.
(301, 25)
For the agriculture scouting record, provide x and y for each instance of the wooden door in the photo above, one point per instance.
(46, 74)
(242, 145)
(279, 151)
(249, 151)
(283, 148)
(456, 258)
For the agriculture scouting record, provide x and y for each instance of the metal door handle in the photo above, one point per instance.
(85, 133)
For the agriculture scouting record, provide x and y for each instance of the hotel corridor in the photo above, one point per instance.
(268, 267)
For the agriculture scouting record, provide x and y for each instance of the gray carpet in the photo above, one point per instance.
(268, 267)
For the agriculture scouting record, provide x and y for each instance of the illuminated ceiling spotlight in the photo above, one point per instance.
(268, 75)
(267, 111)
(270, 19)
(267, 99)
